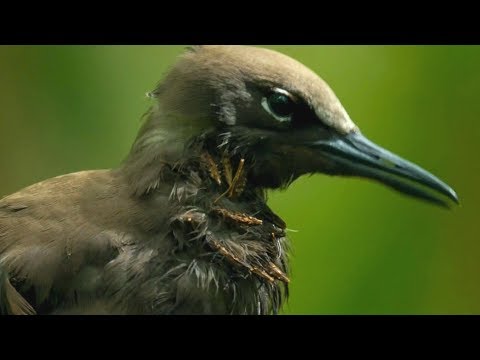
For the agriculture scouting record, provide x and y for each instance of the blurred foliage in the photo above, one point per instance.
(359, 248)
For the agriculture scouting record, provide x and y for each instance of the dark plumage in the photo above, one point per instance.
(182, 226)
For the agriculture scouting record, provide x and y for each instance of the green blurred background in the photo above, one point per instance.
(360, 248)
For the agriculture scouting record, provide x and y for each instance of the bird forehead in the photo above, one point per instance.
(268, 67)
(259, 64)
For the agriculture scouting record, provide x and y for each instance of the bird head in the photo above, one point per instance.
(280, 116)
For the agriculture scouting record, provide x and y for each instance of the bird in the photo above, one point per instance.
(182, 224)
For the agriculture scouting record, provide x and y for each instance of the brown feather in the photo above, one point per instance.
(10, 300)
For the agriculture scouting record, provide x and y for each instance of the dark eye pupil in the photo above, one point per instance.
(280, 104)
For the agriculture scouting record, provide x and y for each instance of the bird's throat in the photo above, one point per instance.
(232, 224)
(225, 174)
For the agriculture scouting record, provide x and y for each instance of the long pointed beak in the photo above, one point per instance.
(355, 155)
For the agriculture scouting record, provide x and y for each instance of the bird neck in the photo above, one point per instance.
(160, 145)
(217, 215)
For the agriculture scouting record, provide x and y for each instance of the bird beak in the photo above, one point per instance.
(355, 155)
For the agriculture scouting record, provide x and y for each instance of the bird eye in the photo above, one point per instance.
(279, 104)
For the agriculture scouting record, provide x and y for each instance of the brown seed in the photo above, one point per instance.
(212, 167)
(238, 217)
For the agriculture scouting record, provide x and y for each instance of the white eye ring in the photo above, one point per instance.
(266, 106)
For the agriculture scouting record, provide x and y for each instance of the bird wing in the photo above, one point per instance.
(11, 302)
(56, 236)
